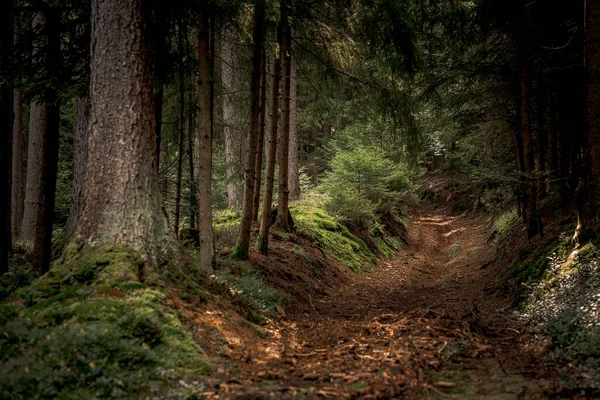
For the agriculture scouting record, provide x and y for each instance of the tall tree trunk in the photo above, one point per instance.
(193, 201)
(265, 218)
(552, 141)
(181, 126)
(588, 198)
(233, 141)
(242, 247)
(38, 124)
(294, 145)
(530, 198)
(80, 143)
(6, 104)
(282, 221)
(542, 135)
(261, 138)
(158, 111)
(205, 98)
(18, 165)
(42, 247)
(122, 202)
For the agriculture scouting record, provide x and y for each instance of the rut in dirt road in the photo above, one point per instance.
(391, 331)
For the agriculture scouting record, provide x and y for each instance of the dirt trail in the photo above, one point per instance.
(413, 327)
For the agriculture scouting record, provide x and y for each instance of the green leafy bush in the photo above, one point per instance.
(363, 183)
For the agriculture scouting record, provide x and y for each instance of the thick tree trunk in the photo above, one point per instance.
(589, 190)
(530, 198)
(6, 104)
(242, 247)
(80, 143)
(122, 203)
(282, 221)
(205, 143)
(233, 141)
(267, 203)
(294, 164)
(181, 128)
(261, 138)
(38, 121)
(42, 247)
(18, 164)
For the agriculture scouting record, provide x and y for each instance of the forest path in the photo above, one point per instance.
(412, 327)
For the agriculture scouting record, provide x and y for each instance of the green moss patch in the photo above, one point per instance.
(335, 238)
(93, 327)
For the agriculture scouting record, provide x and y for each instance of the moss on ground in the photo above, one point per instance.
(95, 326)
(335, 238)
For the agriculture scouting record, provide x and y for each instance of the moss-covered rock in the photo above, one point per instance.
(95, 326)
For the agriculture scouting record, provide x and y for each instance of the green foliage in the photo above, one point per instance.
(20, 272)
(504, 225)
(318, 225)
(90, 329)
(363, 183)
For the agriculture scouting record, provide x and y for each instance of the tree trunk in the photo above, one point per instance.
(233, 141)
(530, 198)
(6, 104)
(122, 202)
(588, 198)
(261, 138)
(205, 142)
(38, 121)
(80, 143)
(191, 149)
(18, 165)
(42, 247)
(294, 145)
(158, 110)
(242, 247)
(542, 135)
(552, 141)
(282, 221)
(265, 219)
(181, 126)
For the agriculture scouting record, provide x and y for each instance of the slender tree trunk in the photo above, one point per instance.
(6, 104)
(265, 219)
(233, 143)
(191, 149)
(294, 145)
(42, 247)
(18, 165)
(282, 221)
(542, 136)
(242, 247)
(261, 138)
(38, 124)
(80, 142)
(588, 197)
(552, 141)
(530, 199)
(122, 202)
(181, 122)
(158, 111)
(205, 142)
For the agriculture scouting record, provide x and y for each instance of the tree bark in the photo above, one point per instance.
(233, 141)
(18, 164)
(265, 219)
(261, 138)
(552, 140)
(80, 143)
(158, 110)
(42, 247)
(542, 135)
(294, 145)
(530, 198)
(588, 197)
(205, 143)
(282, 221)
(181, 125)
(6, 104)
(193, 198)
(242, 247)
(122, 202)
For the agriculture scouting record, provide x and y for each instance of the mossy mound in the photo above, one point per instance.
(335, 238)
(95, 326)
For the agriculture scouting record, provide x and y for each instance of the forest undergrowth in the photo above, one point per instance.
(325, 315)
